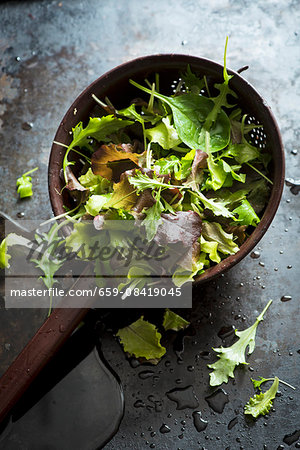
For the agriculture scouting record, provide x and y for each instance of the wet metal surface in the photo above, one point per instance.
(55, 50)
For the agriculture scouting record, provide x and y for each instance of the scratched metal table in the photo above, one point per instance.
(50, 51)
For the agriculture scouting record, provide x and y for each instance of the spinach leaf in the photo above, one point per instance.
(189, 113)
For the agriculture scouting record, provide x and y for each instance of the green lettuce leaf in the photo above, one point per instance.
(192, 82)
(182, 275)
(230, 357)
(98, 128)
(164, 134)
(153, 218)
(246, 214)
(95, 183)
(213, 232)
(11, 240)
(261, 403)
(142, 340)
(83, 239)
(96, 203)
(173, 321)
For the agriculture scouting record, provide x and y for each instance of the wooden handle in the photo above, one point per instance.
(38, 352)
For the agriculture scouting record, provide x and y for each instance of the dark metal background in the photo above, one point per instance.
(50, 51)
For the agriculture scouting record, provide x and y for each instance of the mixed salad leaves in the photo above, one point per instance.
(162, 156)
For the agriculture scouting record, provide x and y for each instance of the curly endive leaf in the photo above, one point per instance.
(261, 403)
(230, 357)
(173, 321)
(141, 339)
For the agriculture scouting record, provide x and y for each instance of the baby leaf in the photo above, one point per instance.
(246, 214)
(10, 240)
(230, 357)
(141, 339)
(189, 114)
(24, 184)
(153, 219)
(164, 134)
(96, 202)
(261, 403)
(213, 232)
(210, 247)
(95, 183)
(173, 321)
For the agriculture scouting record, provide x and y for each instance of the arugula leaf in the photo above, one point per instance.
(213, 232)
(142, 340)
(221, 100)
(189, 114)
(97, 202)
(173, 321)
(259, 194)
(230, 357)
(164, 134)
(246, 214)
(261, 403)
(141, 182)
(218, 207)
(242, 153)
(168, 165)
(95, 183)
(24, 184)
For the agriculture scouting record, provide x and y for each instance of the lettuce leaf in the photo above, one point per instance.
(246, 214)
(173, 321)
(213, 232)
(261, 403)
(164, 134)
(230, 357)
(96, 203)
(95, 183)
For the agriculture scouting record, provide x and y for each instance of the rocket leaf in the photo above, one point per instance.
(230, 357)
(142, 339)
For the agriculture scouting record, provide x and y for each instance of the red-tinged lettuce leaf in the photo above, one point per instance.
(142, 340)
(145, 200)
(173, 321)
(111, 160)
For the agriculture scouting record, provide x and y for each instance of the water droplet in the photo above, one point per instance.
(294, 185)
(226, 332)
(262, 264)
(20, 215)
(146, 374)
(286, 298)
(164, 429)
(204, 354)
(7, 346)
(134, 362)
(218, 400)
(139, 404)
(255, 254)
(18, 58)
(184, 42)
(152, 445)
(61, 328)
(289, 266)
(294, 151)
(27, 126)
(184, 397)
(180, 436)
(290, 353)
(190, 368)
(199, 423)
(232, 423)
(153, 433)
(178, 381)
(289, 439)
